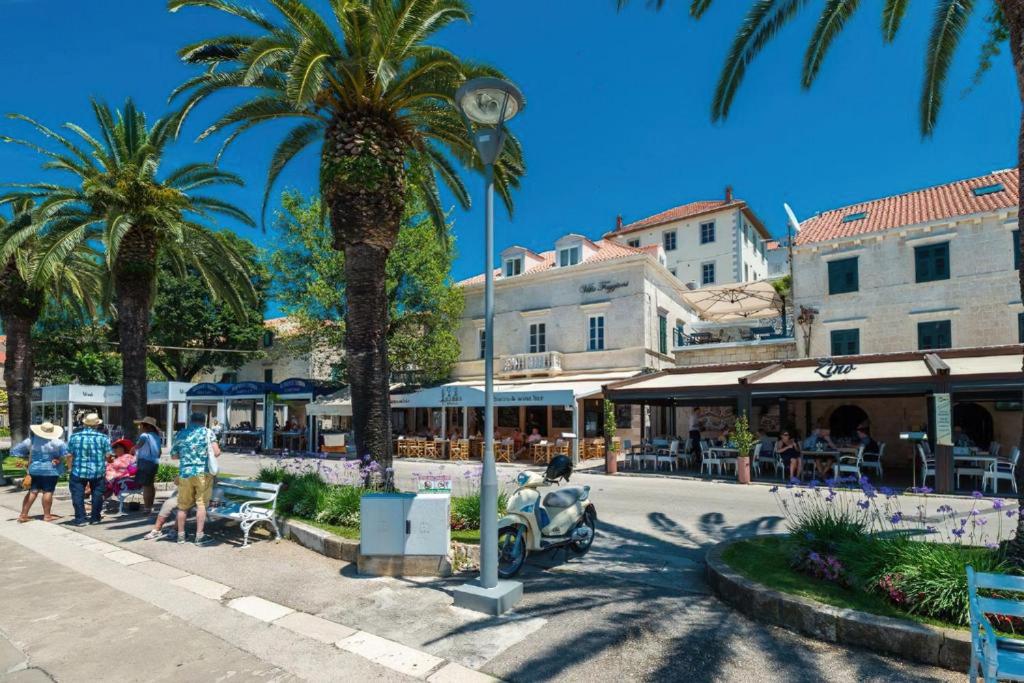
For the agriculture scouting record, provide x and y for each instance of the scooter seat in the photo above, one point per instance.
(565, 497)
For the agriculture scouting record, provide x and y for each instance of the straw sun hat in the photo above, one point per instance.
(47, 430)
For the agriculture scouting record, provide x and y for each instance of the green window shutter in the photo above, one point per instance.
(934, 335)
(931, 262)
(662, 334)
(845, 342)
(1020, 328)
(843, 276)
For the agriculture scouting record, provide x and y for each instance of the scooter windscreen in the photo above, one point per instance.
(560, 467)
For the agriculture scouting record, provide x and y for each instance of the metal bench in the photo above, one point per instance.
(995, 657)
(126, 488)
(248, 503)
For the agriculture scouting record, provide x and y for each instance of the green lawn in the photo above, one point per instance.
(766, 561)
(462, 536)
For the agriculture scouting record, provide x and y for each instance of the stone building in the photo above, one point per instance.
(284, 353)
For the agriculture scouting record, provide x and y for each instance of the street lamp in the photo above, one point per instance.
(486, 104)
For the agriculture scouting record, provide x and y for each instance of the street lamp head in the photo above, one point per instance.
(481, 100)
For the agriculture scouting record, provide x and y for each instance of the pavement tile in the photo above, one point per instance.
(159, 570)
(28, 676)
(318, 628)
(10, 656)
(255, 606)
(100, 547)
(125, 557)
(456, 673)
(202, 586)
(388, 653)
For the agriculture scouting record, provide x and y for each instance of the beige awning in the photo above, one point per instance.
(736, 301)
(338, 403)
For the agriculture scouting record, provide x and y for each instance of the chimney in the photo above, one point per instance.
(618, 222)
(728, 193)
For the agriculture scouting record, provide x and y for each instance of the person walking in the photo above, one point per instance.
(193, 447)
(89, 449)
(46, 451)
(147, 450)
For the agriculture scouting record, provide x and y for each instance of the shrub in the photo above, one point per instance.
(339, 505)
(273, 475)
(466, 510)
(165, 472)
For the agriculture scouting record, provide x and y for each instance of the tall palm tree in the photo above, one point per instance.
(766, 18)
(25, 288)
(363, 84)
(119, 197)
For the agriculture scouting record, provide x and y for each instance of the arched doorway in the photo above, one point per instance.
(844, 421)
(976, 422)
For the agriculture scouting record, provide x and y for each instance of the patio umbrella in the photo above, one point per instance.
(735, 301)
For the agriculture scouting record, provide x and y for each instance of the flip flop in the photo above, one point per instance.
(51, 518)
(22, 520)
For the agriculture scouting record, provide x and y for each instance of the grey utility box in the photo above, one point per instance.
(398, 524)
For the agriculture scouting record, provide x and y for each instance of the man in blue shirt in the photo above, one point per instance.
(147, 453)
(193, 447)
(46, 453)
(89, 449)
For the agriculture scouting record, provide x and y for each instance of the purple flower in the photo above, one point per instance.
(863, 504)
(958, 532)
(930, 529)
(981, 521)
(1011, 513)
(897, 518)
(944, 508)
(991, 546)
(977, 494)
(830, 497)
(773, 489)
(998, 504)
(963, 522)
(925, 490)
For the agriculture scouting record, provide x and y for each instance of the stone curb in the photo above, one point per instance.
(347, 549)
(947, 648)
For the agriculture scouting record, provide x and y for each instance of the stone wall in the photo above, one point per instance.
(738, 352)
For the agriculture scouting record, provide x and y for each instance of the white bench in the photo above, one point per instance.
(996, 658)
(126, 488)
(248, 503)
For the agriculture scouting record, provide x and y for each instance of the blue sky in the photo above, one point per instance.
(617, 118)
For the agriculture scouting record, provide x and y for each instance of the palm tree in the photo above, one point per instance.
(364, 85)
(25, 289)
(118, 198)
(766, 18)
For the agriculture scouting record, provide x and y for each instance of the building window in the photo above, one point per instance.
(538, 338)
(633, 243)
(569, 256)
(668, 240)
(842, 276)
(1016, 249)
(845, 342)
(707, 273)
(482, 335)
(662, 334)
(268, 339)
(595, 340)
(707, 232)
(934, 335)
(513, 267)
(268, 375)
(931, 262)
(1020, 328)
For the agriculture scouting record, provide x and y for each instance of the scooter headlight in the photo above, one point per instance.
(523, 478)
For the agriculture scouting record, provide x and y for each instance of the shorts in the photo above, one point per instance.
(43, 483)
(195, 491)
(145, 473)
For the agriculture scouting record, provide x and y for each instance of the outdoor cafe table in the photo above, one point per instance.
(822, 456)
(290, 440)
(986, 460)
(243, 438)
(726, 455)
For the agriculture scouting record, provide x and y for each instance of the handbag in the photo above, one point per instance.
(212, 467)
(26, 482)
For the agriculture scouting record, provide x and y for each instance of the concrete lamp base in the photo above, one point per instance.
(494, 601)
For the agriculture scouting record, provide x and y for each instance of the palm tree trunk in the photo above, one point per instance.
(363, 180)
(1013, 10)
(133, 290)
(18, 372)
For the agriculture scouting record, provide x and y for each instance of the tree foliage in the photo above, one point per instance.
(309, 281)
(72, 349)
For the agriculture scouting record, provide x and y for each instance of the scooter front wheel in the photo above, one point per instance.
(582, 546)
(511, 550)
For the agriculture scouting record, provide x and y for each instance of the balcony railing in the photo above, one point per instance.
(547, 363)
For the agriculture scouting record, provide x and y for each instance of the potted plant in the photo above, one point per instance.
(744, 440)
(610, 456)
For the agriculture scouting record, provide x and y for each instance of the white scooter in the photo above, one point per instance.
(564, 518)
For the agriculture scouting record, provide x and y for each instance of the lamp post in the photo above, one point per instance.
(486, 104)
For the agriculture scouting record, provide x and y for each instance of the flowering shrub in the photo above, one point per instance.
(881, 540)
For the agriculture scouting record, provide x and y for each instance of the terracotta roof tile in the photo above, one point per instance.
(678, 213)
(913, 208)
(606, 251)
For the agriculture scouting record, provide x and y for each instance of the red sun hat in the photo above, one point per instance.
(126, 444)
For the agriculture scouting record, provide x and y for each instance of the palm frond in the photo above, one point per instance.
(948, 28)
(833, 17)
(892, 18)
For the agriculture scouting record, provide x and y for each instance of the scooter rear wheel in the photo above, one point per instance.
(581, 547)
(511, 550)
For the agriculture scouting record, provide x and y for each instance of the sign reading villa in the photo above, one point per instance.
(602, 286)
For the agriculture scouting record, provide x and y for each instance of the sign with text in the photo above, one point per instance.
(434, 484)
(943, 420)
(828, 368)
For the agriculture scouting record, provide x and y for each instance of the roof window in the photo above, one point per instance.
(861, 215)
(988, 189)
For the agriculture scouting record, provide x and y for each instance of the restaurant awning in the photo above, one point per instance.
(735, 301)
(562, 390)
(339, 403)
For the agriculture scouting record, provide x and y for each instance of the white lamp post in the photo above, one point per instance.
(486, 104)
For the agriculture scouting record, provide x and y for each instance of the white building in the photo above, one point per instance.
(930, 269)
(705, 242)
(286, 353)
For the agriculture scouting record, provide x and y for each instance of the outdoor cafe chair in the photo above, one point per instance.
(1001, 470)
(994, 448)
(768, 459)
(873, 461)
(431, 448)
(927, 466)
(540, 452)
(561, 447)
(849, 464)
(712, 458)
(459, 450)
(667, 456)
(968, 470)
(504, 451)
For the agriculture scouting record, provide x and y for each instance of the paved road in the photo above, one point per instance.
(635, 608)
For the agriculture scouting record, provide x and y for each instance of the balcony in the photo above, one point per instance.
(709, 343)
(528, 364)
